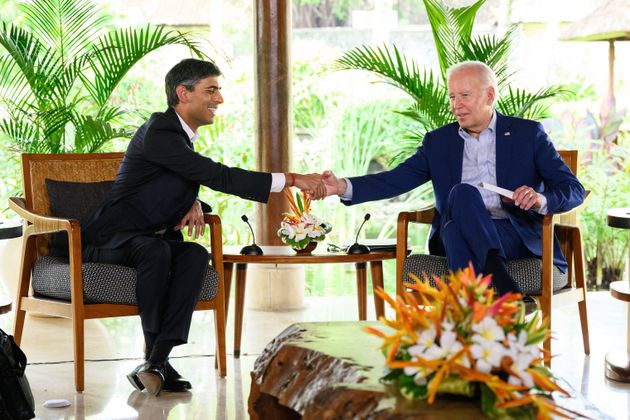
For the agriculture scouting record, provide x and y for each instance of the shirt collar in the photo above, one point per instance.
(192, 135)
(492, 126)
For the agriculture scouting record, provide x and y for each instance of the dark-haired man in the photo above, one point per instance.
(153, 198)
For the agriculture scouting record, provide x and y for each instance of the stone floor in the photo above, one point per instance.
(114, 347)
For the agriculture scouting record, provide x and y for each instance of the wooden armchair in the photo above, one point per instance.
(536, 277)
(67, 288)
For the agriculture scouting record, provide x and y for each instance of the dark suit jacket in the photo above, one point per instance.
(158, 181)
(525, 156)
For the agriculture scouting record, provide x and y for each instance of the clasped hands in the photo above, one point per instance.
(321, 185)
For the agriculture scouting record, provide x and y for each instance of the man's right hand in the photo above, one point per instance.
(333, 184)
(310, 183)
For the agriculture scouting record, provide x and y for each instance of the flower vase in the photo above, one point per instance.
(307, 250)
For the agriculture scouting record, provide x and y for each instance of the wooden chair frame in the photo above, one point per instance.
(570, 237)
(38, 224)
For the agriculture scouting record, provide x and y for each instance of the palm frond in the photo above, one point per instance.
(24, 134)
(118, 51)
(492, 51)
(519, 103)
(43, 70)
(91, 134)
(394, 67)
(13, 84)
(450, 27)
(65, 26)
(430, 112)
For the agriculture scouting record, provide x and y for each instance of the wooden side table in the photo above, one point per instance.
(618, 361)
(285, 255)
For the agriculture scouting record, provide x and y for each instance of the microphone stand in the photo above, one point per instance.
(358, 248)
(252, 249)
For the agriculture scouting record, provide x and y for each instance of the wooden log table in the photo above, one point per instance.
(332, 369)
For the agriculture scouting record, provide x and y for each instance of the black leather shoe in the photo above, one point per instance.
(152, 375)
(174, 381)
(531, 305)
(133, 378)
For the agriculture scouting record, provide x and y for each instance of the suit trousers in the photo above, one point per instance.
(170, 274)
(468, 232)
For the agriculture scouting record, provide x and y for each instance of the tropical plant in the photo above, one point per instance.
(604, 156)
(452, 33)
(59, 69)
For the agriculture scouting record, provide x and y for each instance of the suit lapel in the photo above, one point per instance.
(456, 155)
(171, 114)
(504, 141)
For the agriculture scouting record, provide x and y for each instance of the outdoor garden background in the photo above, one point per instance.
(345, 120)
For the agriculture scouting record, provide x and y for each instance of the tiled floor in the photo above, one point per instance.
(114, 347)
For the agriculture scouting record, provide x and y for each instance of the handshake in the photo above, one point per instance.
(317, 186)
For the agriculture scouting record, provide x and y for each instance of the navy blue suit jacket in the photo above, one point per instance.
(525, 156)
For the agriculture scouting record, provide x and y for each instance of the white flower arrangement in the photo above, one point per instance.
(299, 227)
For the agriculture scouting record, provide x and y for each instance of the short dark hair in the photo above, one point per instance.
(188, 73)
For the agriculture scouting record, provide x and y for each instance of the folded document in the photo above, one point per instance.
(498, 190)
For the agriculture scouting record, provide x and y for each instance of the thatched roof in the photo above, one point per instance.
(170, 12)
(609, 21)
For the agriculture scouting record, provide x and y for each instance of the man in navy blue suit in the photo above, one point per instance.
(472, 223)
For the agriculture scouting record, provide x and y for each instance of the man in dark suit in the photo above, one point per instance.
(472, 223)
(154, 198)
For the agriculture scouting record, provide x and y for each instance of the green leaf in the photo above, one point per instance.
(116, 52)
(65, 26)
(298, 199)
(410, 390)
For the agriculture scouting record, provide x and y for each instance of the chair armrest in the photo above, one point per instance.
(39, 224)
(424, 215)
(216, 240)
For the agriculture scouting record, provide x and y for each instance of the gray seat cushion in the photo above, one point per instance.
(526, 272)
(102, 283)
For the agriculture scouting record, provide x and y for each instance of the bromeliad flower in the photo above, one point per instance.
(457, 337)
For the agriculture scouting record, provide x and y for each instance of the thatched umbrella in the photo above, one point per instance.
(608, 22)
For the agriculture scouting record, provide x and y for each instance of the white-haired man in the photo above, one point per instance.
(471, 223)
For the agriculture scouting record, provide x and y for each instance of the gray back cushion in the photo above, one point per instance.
(73, 200)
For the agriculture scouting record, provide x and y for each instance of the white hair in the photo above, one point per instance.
(486, 74)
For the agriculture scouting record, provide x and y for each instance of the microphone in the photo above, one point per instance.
(357, 248)
(252, 249)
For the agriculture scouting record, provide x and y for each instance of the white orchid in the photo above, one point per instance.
(487, 355)
(487, 330)
(519, 366)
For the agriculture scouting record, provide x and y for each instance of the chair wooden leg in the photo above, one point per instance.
(580, 283)
(28, 253)
(18, 325)
(219, 329)
(78, 325)
(545, 307)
